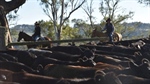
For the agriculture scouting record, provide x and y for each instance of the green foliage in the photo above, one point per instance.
(12, 18)
(47, 28)
(85, 29)
(13, 32)
(127, 32)
(69, 33)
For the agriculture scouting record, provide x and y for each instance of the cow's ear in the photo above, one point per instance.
(145, 61)
(24, 71)
(99, 75)
(94, 49)
(40, 67)
(87, 48)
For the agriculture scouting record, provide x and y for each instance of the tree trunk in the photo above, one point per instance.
(5, 8)
(59, 34)
(4, 23)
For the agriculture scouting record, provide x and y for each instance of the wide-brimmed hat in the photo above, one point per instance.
(108, 20)
(36, 23)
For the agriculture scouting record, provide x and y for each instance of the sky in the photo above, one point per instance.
(31, 11)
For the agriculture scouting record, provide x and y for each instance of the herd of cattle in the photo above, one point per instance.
(123, 62)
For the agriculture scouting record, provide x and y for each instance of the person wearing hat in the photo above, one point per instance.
(37, 31)
(109, 27)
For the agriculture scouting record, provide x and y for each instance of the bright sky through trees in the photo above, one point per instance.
(31, 11)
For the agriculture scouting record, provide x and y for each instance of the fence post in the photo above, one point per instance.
(2, 38)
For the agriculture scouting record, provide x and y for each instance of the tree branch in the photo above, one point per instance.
(11, 5)
(73, 11)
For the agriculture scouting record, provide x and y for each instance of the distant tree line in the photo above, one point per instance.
(83, 30)
(59, 12)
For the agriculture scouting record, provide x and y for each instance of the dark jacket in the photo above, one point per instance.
(37, 31)
(109, 28)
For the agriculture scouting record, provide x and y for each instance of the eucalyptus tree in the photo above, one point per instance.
(111, 9)
(59, 11)
(70, 33)
(67, 31)
(12, 18)
(84, 28)
(47, 28)
(88, 9)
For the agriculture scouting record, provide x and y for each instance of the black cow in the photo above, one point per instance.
(10, 77)
(17, 67)
(75, 50)
(68, 71)
(27, 78)
(142, 70)
(99, 78)
(63, 55)
(55, 54)
(128, 43)
(107, 78)
(8, 57)
(22, 56)
(116, 48)
(43, 61)
(110, 60)
(4, 82)
(130, 79)
(124, 56)
(3, 59)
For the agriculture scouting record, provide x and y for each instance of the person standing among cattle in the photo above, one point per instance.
(109, 27)
(37, 31)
